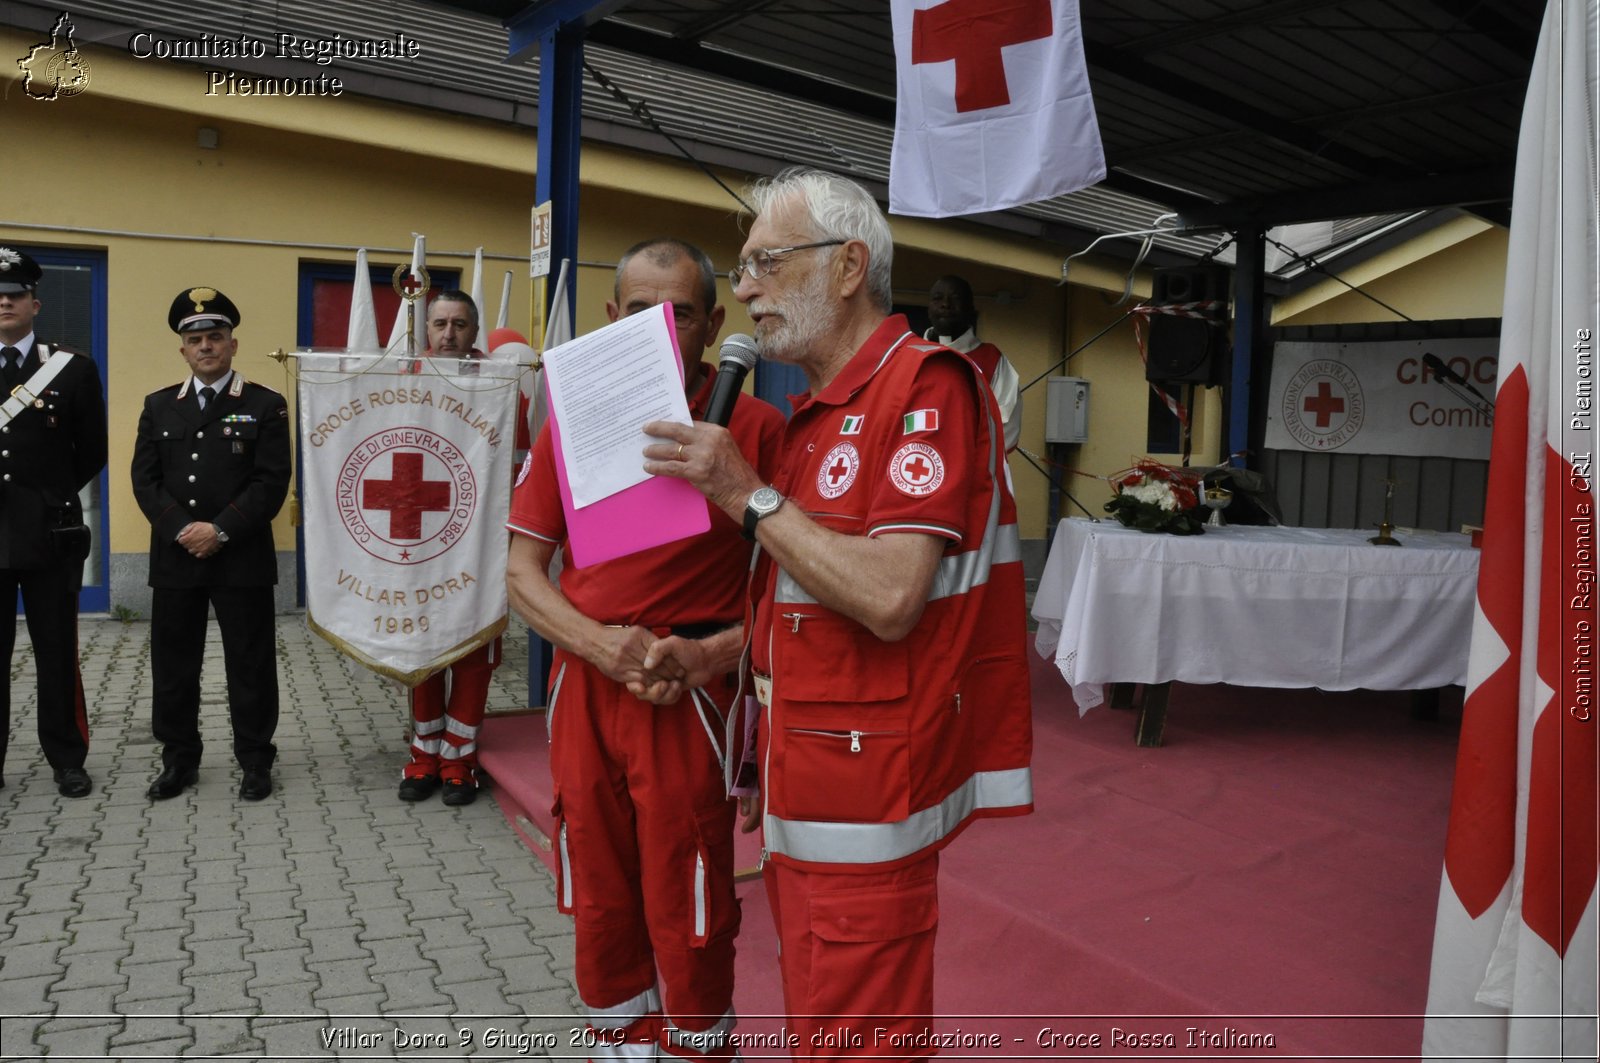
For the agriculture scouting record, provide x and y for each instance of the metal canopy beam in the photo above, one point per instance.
(1225, 23)
(1234, 113)
(528, 28)
(725, 14)
(697, 56)
(1488, 185)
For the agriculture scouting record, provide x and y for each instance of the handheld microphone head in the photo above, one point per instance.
(1450, 377)
(739, 349)
(1440, 369)
(736, 358)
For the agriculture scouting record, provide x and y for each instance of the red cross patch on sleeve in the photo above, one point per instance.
(916, 470)
(838, 470)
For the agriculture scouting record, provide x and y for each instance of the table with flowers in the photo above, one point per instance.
(1254, 606)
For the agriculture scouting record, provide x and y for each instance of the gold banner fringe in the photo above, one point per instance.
(416, 676)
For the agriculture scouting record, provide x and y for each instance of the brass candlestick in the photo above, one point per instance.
(1385, 536)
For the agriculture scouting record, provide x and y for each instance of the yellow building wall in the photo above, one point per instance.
(1456, 271)
(295, 181)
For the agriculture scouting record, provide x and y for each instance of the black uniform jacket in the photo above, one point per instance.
(47, 453)
(227, 465)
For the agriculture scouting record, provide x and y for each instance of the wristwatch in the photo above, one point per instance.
(763, 502)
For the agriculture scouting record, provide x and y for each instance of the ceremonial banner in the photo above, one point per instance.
(406, 486)
(1382, 397)
(994, 108)
(1515, 945)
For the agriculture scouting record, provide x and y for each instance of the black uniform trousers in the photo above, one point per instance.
(177, 644)
(50, 600)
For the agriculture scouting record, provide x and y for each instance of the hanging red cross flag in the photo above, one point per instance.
(1515, 938)
(994, 106)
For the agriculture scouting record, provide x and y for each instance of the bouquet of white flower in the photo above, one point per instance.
(1156, 498)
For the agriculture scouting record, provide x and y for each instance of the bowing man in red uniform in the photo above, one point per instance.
(643, 818)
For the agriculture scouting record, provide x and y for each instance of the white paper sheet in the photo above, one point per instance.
(604, 387)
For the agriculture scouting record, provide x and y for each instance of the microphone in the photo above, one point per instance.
(1448, 375)
(1440, 370)
(735, 360)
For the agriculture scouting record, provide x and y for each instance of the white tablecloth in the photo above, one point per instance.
(1273, 607)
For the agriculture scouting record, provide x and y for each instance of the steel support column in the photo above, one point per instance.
(557, 29)
(1249, 334)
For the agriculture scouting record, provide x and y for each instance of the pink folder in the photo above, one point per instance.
(659, 510)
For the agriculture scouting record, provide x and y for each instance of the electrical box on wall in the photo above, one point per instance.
(1066, 410)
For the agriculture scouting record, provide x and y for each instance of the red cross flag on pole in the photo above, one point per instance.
(406, 484)
(1515, 948)
(994, 107)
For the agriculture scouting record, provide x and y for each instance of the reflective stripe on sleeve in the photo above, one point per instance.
(956, 574)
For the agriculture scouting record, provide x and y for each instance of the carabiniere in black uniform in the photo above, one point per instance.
(52, 443)
(210, 473)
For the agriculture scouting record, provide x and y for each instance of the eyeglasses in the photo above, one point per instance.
(761, 263)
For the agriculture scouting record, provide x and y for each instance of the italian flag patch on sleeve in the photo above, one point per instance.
(921, 421)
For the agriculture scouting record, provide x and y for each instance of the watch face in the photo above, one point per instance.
(765, 500)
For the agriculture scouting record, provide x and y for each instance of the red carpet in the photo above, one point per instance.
(1271, 871)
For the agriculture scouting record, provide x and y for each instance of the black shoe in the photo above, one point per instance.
(418, 787)
(459, 792)
(256, 785)
(73, 782)
(172, 781)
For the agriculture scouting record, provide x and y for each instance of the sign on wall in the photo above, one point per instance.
(1382, 397)
(539, 255)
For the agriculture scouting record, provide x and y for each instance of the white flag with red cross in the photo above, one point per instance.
(406, 486)
(994, 108)
(1515, 949)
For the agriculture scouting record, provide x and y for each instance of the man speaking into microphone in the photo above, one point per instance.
(644, 823)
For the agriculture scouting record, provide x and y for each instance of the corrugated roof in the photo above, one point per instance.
(1204, 105)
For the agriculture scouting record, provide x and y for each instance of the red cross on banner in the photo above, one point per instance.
(406, 496)
(1324, 404)
(973, 34)
(838, 470)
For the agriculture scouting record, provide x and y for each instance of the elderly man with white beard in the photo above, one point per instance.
(887, 651)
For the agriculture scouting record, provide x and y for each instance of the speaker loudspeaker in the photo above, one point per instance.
(1187, 350)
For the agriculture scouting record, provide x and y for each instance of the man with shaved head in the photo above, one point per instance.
(638, 752)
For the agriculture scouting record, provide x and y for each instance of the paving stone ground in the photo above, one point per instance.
(330, 921)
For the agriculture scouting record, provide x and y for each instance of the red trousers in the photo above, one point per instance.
(856, 954)
(644, 835)
(446, 716)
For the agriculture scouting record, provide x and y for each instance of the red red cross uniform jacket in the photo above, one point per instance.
(876, 754)
(643, 823)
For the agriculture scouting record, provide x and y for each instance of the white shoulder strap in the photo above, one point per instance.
(27, 393)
